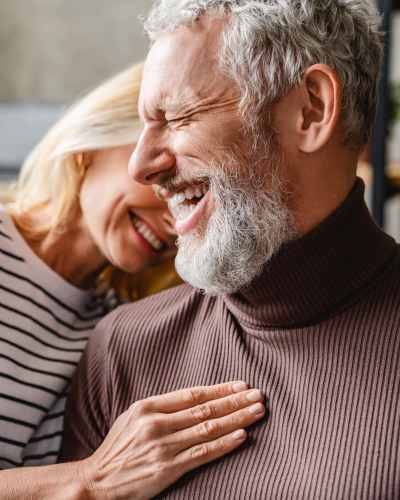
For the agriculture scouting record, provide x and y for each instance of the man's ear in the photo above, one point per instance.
(321, 92)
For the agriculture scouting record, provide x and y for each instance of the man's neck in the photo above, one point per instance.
(319, 184)
(317, 274)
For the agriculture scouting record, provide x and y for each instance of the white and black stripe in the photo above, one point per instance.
(44, 326)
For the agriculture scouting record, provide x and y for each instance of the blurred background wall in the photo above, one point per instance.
(53, 50)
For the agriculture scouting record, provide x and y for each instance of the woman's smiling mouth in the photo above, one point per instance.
(144, 230)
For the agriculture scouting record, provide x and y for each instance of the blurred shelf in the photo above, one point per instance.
(393, 182)
(382, 187)
(365, 171)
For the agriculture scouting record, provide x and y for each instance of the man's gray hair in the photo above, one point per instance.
(268, 44)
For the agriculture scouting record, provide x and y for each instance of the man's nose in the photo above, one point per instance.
(151, 161)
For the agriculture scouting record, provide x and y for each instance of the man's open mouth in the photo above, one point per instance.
(183, 203)
(188, 205)
(147, 233)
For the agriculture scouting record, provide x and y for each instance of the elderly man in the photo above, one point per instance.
(254, 115)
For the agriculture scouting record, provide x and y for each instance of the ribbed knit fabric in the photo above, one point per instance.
(318, 332)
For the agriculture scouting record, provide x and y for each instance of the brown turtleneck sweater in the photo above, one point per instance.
(318, 332)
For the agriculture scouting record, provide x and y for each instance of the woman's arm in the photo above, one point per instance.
(43, 483)
(149, 447)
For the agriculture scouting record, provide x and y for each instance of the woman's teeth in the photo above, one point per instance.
(147, 233)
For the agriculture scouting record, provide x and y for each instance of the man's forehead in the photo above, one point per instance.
(202, 39)
(178, 65)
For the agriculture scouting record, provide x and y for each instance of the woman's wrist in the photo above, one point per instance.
(91, 480)
(44, 483)
(101, 479)
(79, 487)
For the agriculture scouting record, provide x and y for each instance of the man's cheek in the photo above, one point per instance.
(195, 149)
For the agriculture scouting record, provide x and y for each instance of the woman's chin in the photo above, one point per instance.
(130, 259)
(127, 263)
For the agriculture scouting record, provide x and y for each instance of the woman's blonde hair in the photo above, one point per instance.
(51, 176)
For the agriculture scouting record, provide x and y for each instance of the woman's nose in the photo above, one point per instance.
(151, 161)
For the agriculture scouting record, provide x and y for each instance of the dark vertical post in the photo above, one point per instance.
(380, 186)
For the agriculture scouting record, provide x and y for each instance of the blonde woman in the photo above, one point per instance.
(78, 221)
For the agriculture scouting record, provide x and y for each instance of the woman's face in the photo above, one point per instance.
(128, 224)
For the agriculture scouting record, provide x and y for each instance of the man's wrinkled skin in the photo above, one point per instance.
(190, 111)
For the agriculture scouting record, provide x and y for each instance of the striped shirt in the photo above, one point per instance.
(44, 326)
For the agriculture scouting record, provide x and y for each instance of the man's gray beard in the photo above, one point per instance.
(246, 228)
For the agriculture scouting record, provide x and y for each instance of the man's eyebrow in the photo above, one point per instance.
(181, 110)
(179, 103)
(149, 113)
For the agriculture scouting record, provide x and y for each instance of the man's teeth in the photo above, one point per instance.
(188, 194)
(147, 234)
(176, 200)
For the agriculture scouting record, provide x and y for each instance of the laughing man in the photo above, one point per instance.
(254, 115)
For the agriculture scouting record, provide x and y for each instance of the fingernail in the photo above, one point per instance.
(239, 386)
(254, 396)
(239, 435)
(257, 409)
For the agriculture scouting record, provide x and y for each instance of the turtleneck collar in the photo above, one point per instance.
(318, 274)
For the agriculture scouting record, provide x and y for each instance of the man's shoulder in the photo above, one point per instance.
(137, 341)
(166, 303)
(390, 277)
(153, 309)
(163, 315)
(384, 291)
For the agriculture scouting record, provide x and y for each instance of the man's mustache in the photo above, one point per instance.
(179, 182)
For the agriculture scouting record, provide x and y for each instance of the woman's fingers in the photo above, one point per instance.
(158, 439)
(186, 398)
(213, 429)
(204, 453)
(211, 410)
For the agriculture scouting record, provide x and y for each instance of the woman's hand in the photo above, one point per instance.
(161, 438)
